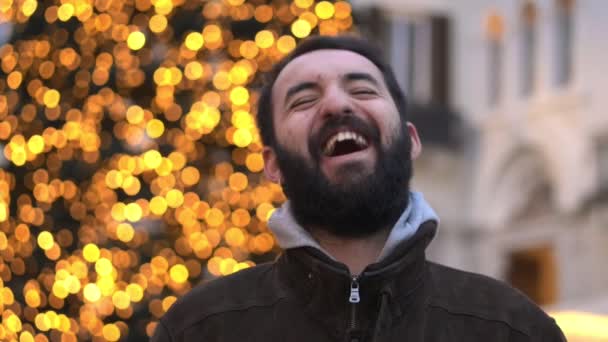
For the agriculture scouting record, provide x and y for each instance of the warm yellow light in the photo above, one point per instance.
(343, 10)
(152, 159)
(155, 128)
(121, 300)
(114, 179)
(103, 267)
(249, 49)
(3, 213)
(194, 41)
(133, 212)
(235, 237)
(135, 292)
(168, 301)
(238, 181)
(300, 28)
(158, 23)
(178, 273)
(36, 144)
(174, 198)
(264, 39)
(193, 70)
(242, 137)
(214, 217)
(13, 323)
(60, 290)
(45, 240)
(190, 176)
(255, 162)
(32, 298)
(125, 232)
(158, 205)
(304, 3)
(111, 332)
(286, 43)
(582, 325)
(91, 252)
(238, 75)
(29, 7)
(65, 11)
(14, 79)
(324, 10)
(135, 114)
(51, 98)
(136, 40)
(239, 95)
(91, 292)
(212, 33)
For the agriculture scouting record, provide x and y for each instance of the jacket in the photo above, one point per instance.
(307, 296)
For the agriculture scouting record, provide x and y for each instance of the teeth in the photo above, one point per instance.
(342, 136)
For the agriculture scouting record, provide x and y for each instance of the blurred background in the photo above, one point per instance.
(509, 98)
(131, 164)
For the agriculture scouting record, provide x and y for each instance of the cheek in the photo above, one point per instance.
(294, 137)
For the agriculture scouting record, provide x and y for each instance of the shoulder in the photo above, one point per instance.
(484, 298)
(246, 289)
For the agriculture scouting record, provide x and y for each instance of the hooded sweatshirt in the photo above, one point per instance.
(290, 234)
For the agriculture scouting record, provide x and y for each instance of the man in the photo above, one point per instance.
(337, 139)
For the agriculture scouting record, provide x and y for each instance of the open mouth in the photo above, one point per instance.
(344, 142)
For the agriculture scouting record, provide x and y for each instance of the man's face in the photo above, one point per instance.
(343, 153)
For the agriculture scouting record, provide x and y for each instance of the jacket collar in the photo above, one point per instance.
(388, 288)
(290, 234)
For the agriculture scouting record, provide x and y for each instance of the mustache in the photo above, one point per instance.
(333, 124)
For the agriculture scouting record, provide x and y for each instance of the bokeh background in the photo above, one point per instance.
(131, 164)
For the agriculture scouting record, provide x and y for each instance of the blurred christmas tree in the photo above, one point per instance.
(131, 162)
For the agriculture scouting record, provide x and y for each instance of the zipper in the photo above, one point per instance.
(354, 299)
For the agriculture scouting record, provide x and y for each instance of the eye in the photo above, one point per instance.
(363, 91)
(302, 101)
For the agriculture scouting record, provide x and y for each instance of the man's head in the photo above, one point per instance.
(333, 119)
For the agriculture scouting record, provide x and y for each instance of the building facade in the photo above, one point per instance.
(511, 98)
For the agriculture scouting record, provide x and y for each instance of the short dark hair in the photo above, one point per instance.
(343, 42)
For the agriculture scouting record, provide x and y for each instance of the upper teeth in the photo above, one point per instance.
(348, 135)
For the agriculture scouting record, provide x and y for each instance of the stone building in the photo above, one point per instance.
(510, 98)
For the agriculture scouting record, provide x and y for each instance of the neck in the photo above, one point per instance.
(355, 253)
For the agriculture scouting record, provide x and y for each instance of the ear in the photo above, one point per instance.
(416, 145)
(271, 165)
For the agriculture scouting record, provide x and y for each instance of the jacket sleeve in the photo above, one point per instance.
(161, 334)
(552, 333)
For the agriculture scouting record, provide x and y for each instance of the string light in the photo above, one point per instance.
(133, 162)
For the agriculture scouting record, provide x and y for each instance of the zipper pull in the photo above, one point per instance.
(354, 291)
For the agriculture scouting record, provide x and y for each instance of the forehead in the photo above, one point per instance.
(322, 65)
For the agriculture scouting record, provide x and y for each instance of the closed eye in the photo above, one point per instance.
(363, 92)
(302, 101)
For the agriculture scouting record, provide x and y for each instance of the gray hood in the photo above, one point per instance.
(290, 234)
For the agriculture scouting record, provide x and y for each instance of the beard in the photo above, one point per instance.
(356, 206)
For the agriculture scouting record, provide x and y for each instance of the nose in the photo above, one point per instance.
(336, 101)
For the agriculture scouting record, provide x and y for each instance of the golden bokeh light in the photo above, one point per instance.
(133, 160)
(136, 40)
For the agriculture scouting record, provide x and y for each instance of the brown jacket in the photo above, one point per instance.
(304, 296)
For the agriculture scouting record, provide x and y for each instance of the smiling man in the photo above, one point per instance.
(334, 123)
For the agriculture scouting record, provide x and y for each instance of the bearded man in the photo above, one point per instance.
(334, 123)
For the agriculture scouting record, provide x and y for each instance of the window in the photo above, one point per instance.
(564, 26)
(494, 32)
(528, 47)
(419, 54)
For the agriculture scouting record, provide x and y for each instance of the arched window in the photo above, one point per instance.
(494, 33)
(529, 19)
(564, 24)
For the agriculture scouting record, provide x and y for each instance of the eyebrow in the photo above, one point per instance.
(361, 76)
(297, 88)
